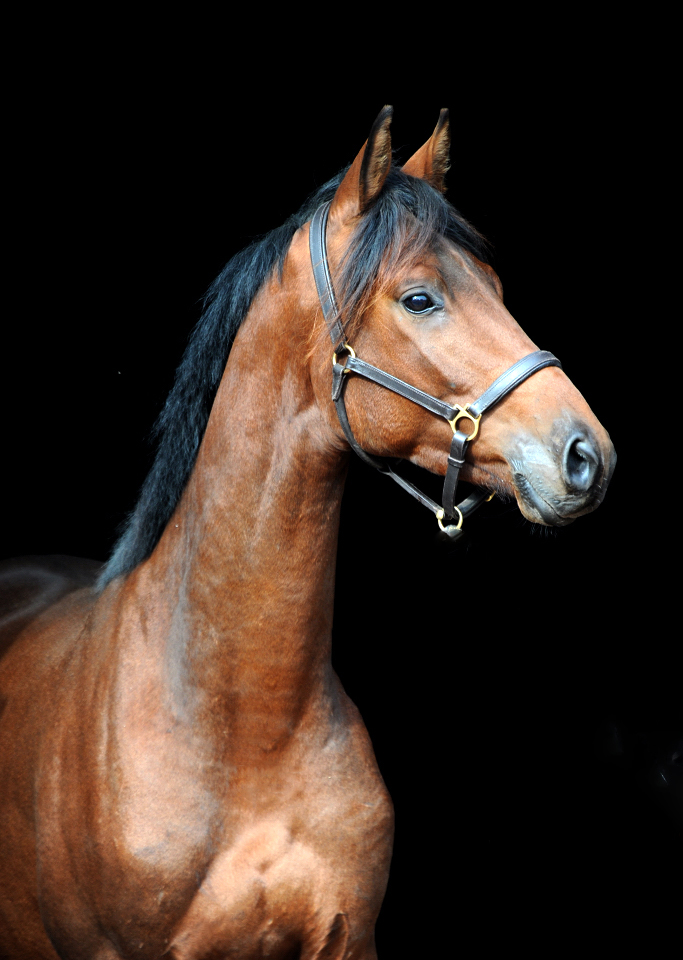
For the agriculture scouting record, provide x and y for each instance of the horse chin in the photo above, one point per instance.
(535, 507)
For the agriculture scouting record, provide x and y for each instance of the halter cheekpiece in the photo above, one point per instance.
(471, 412)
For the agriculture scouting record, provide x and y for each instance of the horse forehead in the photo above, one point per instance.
(454, 268)
(459, 269)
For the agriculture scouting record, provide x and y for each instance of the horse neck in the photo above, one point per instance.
(243, 577)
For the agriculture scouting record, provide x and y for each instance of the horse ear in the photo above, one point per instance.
(430, 163)
(365, 177)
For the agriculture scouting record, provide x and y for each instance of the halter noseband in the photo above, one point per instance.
(505, 383)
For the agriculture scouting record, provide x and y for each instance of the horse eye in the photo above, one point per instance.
(418, 302)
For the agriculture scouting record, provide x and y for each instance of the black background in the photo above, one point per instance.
(521, 690)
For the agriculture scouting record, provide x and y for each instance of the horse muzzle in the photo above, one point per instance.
(556, 483)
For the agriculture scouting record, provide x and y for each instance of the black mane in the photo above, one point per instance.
(404, 220)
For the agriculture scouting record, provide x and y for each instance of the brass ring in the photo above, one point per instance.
(349, 349)
(442, 513)
(464, 412)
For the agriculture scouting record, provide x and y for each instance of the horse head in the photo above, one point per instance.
(418, 300)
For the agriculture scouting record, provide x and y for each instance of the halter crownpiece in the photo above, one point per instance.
(471, 412)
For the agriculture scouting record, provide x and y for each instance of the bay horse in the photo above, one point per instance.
(182, 773)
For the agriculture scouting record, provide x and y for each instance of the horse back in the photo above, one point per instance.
(29, 585)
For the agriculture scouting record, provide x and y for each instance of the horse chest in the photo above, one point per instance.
(304, 867)
(291, 855)
(277, 888)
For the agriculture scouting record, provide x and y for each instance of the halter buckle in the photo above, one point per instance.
(463, 412)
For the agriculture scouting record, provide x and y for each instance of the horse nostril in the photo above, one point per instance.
(581, 463)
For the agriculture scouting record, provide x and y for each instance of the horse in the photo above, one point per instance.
(182, 772)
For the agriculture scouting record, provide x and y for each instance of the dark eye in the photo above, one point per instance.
(418, 302)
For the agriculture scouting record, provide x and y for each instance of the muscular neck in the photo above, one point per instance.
(243, 577)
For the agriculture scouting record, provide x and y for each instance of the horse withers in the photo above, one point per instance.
(182, 773)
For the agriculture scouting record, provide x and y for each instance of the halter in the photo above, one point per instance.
(505, 383)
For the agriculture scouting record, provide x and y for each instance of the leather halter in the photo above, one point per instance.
(505, 383)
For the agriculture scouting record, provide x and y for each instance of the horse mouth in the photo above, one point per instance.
(538, 508)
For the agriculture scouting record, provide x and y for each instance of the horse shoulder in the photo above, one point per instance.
(42, 611)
